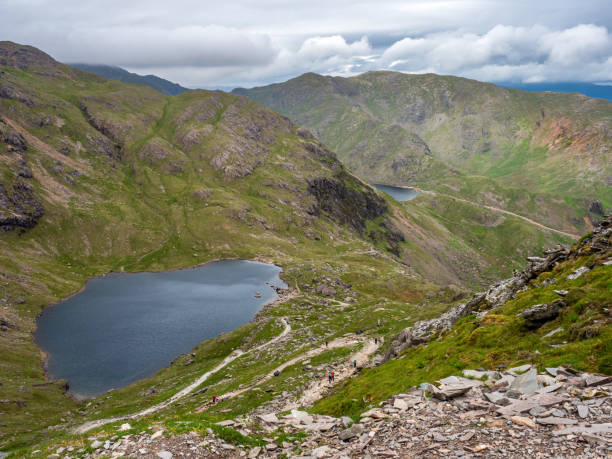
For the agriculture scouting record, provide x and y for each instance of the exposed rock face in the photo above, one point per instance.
(596, 208)
(19, 203)
(498, 294)
(19, 207)
(539, 314)
(345, 205)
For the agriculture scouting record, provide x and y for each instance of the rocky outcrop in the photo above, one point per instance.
(597, 242)
(538, 315)
(596, 207)
(351, 206)
(19, 207)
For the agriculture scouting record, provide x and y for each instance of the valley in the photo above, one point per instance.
(110, 181)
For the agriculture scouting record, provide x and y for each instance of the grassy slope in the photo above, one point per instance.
(500, 339)
(539, 154)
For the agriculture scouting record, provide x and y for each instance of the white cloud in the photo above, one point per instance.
(198, 46)
(242, 42)
(508, 53)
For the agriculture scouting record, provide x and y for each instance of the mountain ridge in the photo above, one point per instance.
(504, 147)
(112, 72)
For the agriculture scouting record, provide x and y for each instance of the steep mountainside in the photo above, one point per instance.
(543, 155)
(117, 73)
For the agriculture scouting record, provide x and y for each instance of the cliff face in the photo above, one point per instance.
(20, 205)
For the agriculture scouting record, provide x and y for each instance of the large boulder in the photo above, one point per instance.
(539, 314)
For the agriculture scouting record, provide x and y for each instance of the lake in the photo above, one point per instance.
(398, 193)
(124, 327)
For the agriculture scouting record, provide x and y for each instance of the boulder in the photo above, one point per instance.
(537, 315)
(353, 431)
(596, 207)
(527, 383)
(577, 273)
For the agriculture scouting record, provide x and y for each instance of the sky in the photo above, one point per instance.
(225, 44)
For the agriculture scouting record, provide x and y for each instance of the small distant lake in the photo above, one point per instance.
(398, 193)
(124, 327)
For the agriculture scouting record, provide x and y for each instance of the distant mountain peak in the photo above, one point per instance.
(112, 72)
(25, 57)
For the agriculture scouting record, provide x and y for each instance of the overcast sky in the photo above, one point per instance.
(200, 43)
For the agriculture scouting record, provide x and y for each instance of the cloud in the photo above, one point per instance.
(507, 53)
(321, 48)
(196, 46)
(242, 42)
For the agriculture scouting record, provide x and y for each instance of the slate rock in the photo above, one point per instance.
(554, 420)
(527, 383)
(164, 455)
(583, 411)
(537, 315)
(351, 432)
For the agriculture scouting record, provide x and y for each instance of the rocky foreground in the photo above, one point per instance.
(515, 413)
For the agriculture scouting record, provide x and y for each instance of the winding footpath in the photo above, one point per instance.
(187, 390)
(503, 211)
(314, 392)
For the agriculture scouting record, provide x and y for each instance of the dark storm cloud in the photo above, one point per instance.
(246, 42)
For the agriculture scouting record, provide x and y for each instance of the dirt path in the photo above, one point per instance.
(507, 212)
(190, 388)
(318, 388)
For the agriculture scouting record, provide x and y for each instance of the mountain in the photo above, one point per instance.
(545, 156)
(600, 91)
(99, 175)
(117, 73)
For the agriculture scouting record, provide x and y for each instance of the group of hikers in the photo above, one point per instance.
(331, 377)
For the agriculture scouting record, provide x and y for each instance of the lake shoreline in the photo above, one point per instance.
(284, 295)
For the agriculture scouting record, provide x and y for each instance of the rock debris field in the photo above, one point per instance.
(515, 413)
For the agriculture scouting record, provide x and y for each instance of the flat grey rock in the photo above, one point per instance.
(226, 423)
(583, 411)
(270, 417)
(164, 455)
(596, 380)
(552, 388)
(605, 428)
(556, 421)
(351, 432)
(551, 333)
(521, 369)
(527, 383)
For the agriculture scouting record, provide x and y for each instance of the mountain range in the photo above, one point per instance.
(545, 156)
(100, 176)
(117, 73)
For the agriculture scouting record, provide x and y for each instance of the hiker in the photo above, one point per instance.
(375, 340)
(326, 343)
(355, 363)
(214, 399)
(329, 378)
(332, 376)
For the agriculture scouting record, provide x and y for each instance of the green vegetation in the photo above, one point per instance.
(500, 339)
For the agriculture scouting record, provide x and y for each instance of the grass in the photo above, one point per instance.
(499, 340)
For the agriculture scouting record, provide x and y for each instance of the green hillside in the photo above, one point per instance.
(542, 155)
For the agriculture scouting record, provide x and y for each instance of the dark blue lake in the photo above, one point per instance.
(398, 193)
(124, 327)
